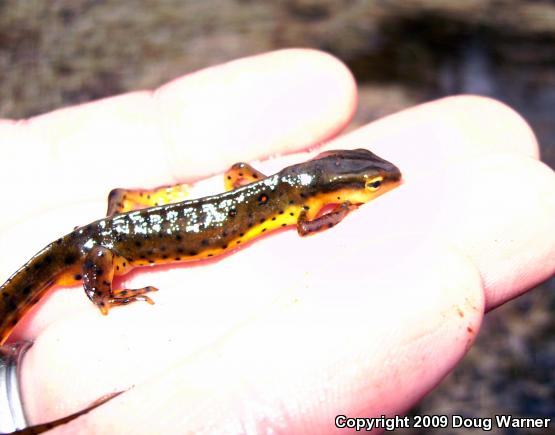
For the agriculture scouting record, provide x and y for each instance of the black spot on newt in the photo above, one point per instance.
(70, 259)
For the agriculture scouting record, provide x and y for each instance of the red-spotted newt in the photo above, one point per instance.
(197, 229)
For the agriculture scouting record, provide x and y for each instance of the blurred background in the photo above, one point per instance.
(402, 52)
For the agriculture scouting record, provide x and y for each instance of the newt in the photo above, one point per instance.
(170, 230)
(192, 230)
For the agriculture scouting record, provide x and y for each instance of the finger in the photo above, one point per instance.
(190, 128)
(470, 178)
(423, 138)
(500, 211)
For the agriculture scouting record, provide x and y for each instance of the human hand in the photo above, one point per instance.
(286, 333)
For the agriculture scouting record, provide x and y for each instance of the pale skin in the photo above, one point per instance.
(287, 333)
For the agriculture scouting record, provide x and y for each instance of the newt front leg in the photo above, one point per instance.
(241, 174)
(124, 200)
(306, 227)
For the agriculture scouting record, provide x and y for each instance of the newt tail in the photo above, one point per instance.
(33, 279)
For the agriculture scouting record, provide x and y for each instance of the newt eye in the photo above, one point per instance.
(374, 184)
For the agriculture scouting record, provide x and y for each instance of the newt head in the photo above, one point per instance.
(357, 176)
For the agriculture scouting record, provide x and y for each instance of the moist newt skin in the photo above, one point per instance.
(196, 229)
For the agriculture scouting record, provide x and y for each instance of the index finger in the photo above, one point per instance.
(194, 126)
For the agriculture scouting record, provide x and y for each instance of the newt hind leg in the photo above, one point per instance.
(241, 174)
(98, 273)
(124, 200)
